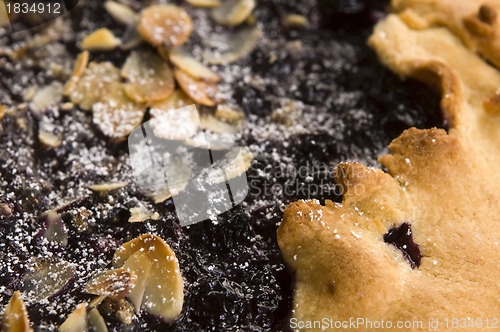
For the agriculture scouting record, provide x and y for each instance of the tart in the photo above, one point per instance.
(84, 246)
(418, 242)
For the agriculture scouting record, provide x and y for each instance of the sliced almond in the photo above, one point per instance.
(102, 39)
(48, 135)
(99, 88)
(191, 66)
(139, 214)
(131, 38)
(204, 3)
(163, 293)
(229, 113)
(49, 139)
(48, 279)
(121, 13)
(4, 17)
(209, 140)
(47, 96)
(201, 92)
(80, 65)
(96, 301)
(139, 264)
(236, 162)
(160, 190)
(237, 45)
(116, 282)
(108, 186)
(116, 115)
(15, 317)
(95, 82)
(178, 99)
(291, 21)
(233, 12)
(122, 309)
(213, 124)
(161, 196)
(76, 321)
(96, 322)
(55, 228)
(166, 25)
(5, 210)
(175, 124)
(3, 110)
(150, 79)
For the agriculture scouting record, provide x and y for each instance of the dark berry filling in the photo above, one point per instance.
(402, 238)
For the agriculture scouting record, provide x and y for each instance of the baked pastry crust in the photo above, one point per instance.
(475, 22)
(444, 185)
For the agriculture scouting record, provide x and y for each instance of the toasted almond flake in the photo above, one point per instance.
(116, 282)
(68, 106)
(139, 214)
(174, 124)
(209, 140)
(163, 293)
(233, 12)
(15, 317)
(166, 25)
(76, 321)
(295, 21)
(99, 79)
(289, 112)
(80, 218)
(3, 110)
(150, 79)
(102, 39)
(211, 123)
(229, 113)
(131, 38)
(96, 301)
(80, 64)
(237, 45)
(96, 322)
(108, 186)
(139, 264)
(251, 20)
(201, 92)
(121, 13)
(21, 122)
(120, 308)
(5, 210)
(236, 162)
(204, 3)
(4, 17)
(191, 66)
(115, 114)
(49, 139)
(178, 99)
(29, 92)
(47, 96)
(99, 88)
(157, 187)
(55, 228)
(47, 279)
(161, 196)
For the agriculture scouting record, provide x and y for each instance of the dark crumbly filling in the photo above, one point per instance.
(235, 276)
(402, 238)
